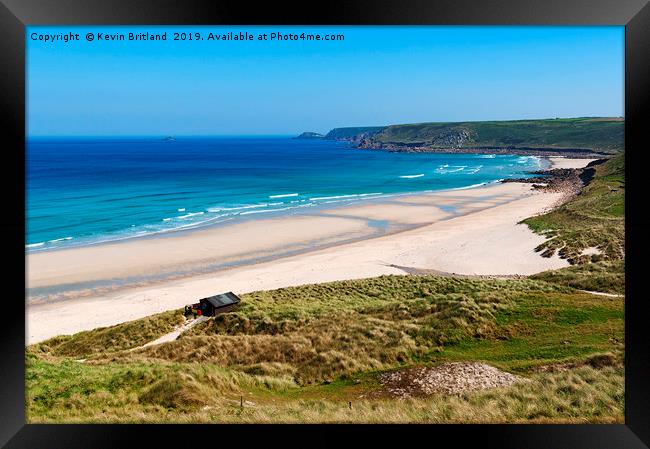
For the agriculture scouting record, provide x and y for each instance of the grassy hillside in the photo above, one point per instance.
(349, 133)
(605, 276)
(600, 134)
(161, 392)
(300, 354)
(590, 227)
(119, 337)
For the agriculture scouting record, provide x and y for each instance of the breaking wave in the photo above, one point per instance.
(286, 195)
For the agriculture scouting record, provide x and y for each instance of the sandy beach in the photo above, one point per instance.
(470, 231)
(563, 162)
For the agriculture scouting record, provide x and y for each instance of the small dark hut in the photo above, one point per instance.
(214, 305)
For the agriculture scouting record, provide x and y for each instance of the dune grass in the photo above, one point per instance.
(594, 219)
(605, 276)
(69, 391)
(113, 338)
(296, 354)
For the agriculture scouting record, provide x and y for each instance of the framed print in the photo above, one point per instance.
(366, 218)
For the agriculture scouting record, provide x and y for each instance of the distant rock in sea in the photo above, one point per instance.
(310, 135)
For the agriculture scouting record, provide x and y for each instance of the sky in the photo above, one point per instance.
(375, 76)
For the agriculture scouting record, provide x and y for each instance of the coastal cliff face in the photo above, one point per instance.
(451, 139)
(575, 136)
(354, 134)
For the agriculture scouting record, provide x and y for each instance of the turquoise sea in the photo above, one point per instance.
(84, 191)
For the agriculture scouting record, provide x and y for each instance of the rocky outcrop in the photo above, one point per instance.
(568, 181)
(453, 138)
(310, 135)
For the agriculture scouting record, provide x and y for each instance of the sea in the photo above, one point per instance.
(91, 190)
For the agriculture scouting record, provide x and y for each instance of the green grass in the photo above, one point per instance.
(72, 392)
(350, 132)
(605, 276)
(549, 329)
(599, 134)
(593, 219)
(114, 338)
(296, 353)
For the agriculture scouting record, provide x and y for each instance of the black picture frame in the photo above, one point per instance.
(16, 14)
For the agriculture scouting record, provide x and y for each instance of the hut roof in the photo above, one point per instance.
(222, 300)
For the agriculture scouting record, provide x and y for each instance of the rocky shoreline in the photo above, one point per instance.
(365, 143)
(569, 181)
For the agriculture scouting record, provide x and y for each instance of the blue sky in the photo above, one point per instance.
(376, 76)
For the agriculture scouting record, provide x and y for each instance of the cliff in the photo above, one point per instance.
(576, 136)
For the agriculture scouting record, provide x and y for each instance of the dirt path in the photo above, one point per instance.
(611, 295)
(174, 334)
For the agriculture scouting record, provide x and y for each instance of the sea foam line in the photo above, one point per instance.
(286, 195)
(476, 185)
(525, 159)
(155, 232)
(276, 210)
(458, 168)
(191, 214)
(250, 206)
(412, 176)
(343, 196)
(59, 240)
(265, 211)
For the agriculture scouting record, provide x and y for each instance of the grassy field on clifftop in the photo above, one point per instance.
(599, 134)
